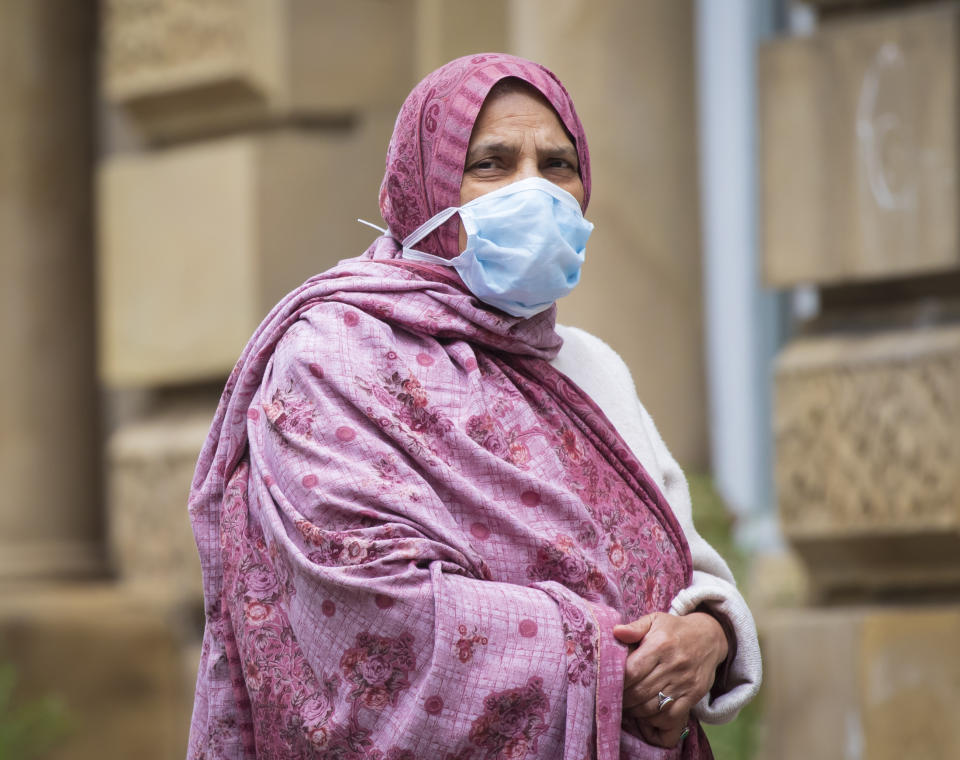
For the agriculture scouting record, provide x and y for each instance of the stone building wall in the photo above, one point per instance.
(859, 132)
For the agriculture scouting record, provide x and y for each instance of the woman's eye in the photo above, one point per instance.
(486, 163)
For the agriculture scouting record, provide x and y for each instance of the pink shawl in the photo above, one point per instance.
(416, 535)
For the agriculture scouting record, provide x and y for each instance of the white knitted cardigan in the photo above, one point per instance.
(602, 374)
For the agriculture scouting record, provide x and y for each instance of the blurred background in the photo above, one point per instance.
(776, 256)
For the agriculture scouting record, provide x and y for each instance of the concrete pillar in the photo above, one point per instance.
(50, 522)
(629, 67)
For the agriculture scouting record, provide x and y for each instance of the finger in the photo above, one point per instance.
(651, 710)
(633, 632)
(666, 736)
(643, 667)
(671, 736)
(673, 679)
(655, 709)
(645, 699)
(644, 679)
(667, 718)
(649, 669)
(651, 734)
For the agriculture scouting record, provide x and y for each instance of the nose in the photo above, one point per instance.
(529, 167)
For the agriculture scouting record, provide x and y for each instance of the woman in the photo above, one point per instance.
(432, 523)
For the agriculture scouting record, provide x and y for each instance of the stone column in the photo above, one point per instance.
(629, 67)
(50, 521)
(860, 130)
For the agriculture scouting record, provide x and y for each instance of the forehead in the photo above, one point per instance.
(515, 112)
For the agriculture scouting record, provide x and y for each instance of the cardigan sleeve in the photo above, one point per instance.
(602, 373)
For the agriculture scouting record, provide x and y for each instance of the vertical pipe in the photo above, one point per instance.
(741, 321)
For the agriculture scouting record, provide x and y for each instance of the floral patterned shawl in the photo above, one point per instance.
(416, 535)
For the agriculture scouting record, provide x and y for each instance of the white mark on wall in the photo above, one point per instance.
(887, 148)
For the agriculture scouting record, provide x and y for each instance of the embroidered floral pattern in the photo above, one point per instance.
(341, 547)
(413, 418)
(387, 469)
(511, 722)
(580, 637)
(564, 562)
(291, 412)
(467, 641)
(483, 429)
(379, 668)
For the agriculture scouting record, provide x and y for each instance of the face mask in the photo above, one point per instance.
(525, 245)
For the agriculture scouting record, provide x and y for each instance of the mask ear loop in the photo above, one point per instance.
(379, 229)
(421, 232)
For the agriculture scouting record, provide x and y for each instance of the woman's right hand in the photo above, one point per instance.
(674, 655)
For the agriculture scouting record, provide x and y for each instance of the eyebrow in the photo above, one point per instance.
(499, 146)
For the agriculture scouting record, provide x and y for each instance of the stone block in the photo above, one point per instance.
(123, 665)
(871, 682)
(197, 243)
(867, 430)
(859, 135)
(183, 68)
(150, 466)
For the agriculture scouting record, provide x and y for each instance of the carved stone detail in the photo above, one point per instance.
(154, 44)
(868, 454)
(868, 432)
(151, 464)
(190, 68)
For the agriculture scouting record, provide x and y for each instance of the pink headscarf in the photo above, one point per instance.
(415, 534)
(426, 155)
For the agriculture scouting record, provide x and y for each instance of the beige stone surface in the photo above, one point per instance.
(859, 131)
(183, 68)
(867, 428)
(150, 464)
(776, 579)
(448, 29)
(123, 664)
(50, 522)
(870, 683)
(810, 686)
(197, 243)
(909, 675)
(629, 67)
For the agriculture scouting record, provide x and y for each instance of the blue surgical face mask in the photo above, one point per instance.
(525, 245)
